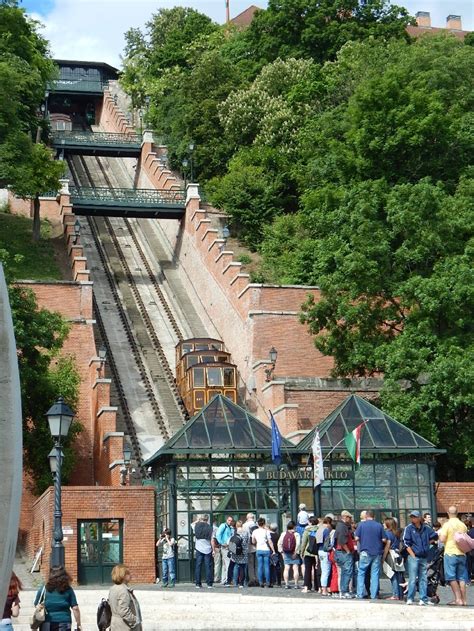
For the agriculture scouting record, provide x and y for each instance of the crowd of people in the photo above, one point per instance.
(329, 556)
(337, 557)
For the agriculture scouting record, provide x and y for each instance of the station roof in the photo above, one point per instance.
(221, 427)
(381, 433)
(86, 64)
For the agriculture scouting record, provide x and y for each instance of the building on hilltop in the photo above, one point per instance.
(423, 26)
(244, 19)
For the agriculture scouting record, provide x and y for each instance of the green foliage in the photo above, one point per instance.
(317, 29)
(245, 259)
(253, 192)
(409, 120)
(35, 261)
(44, 376)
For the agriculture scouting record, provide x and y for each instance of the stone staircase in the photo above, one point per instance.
(186, 608)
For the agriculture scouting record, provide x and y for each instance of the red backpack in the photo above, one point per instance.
(289, 542)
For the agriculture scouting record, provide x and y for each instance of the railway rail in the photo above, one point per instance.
(142, 338)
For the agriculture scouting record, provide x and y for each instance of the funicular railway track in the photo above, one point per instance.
(147, 350)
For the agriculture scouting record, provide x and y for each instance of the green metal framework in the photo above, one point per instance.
(127, 197)
(381, 433)
(88, 138)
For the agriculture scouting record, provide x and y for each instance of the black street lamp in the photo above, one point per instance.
(185, 164)
(272, 355)
(127, 457)
(60, 418)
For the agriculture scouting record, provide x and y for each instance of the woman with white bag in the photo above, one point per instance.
(392, 560)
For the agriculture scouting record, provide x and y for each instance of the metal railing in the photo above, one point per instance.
(90, 138)
(77, 84)
(136, 197)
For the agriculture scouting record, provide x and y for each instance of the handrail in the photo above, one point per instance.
(95, 138)
(128, 196)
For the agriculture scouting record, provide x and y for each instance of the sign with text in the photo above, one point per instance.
(307, 474)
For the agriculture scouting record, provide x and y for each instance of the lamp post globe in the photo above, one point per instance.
(273, 355)
(60, 418)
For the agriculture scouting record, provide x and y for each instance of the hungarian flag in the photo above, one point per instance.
(352, 442)
(318, 465)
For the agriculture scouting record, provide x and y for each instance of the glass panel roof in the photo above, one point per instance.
(381, 432)
(222, 426)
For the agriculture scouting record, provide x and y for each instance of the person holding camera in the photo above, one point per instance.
(168, 571)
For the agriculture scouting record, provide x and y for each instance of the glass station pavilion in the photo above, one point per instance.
(219, 463)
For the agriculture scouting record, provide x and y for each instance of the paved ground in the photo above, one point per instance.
(185, 608)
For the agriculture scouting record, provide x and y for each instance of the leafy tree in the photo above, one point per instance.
(39, 336)
(30, 179)
(317, 29)
(409, 120)
(253, 192)
(395, 268)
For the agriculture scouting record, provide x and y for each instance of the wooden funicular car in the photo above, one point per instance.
(204, 369)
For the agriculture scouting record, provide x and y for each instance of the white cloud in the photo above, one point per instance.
(93, 30)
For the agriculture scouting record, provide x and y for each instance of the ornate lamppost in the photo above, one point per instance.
(60, 418)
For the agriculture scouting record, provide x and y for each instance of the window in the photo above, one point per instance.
(199, 399)
(214, 377)
(192, 360)
(186, 348)
(198, 375)
(229, 379)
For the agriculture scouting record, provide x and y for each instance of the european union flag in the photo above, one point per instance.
(276, 442)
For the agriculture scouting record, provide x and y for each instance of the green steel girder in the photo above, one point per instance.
(62, 139)
(127, 198)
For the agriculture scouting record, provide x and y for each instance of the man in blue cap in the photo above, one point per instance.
(417, 538)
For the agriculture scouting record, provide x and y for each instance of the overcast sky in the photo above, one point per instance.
(93, 30)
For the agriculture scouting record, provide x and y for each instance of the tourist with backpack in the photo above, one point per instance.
(168, 571)
(326, 544)
(264, 546)
(309, 554)
(289, 546)
(238, 551)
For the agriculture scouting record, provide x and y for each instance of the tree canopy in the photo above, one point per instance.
(25, 70)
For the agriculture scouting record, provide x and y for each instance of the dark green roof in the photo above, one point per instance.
(381, 432)
(221, 427)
